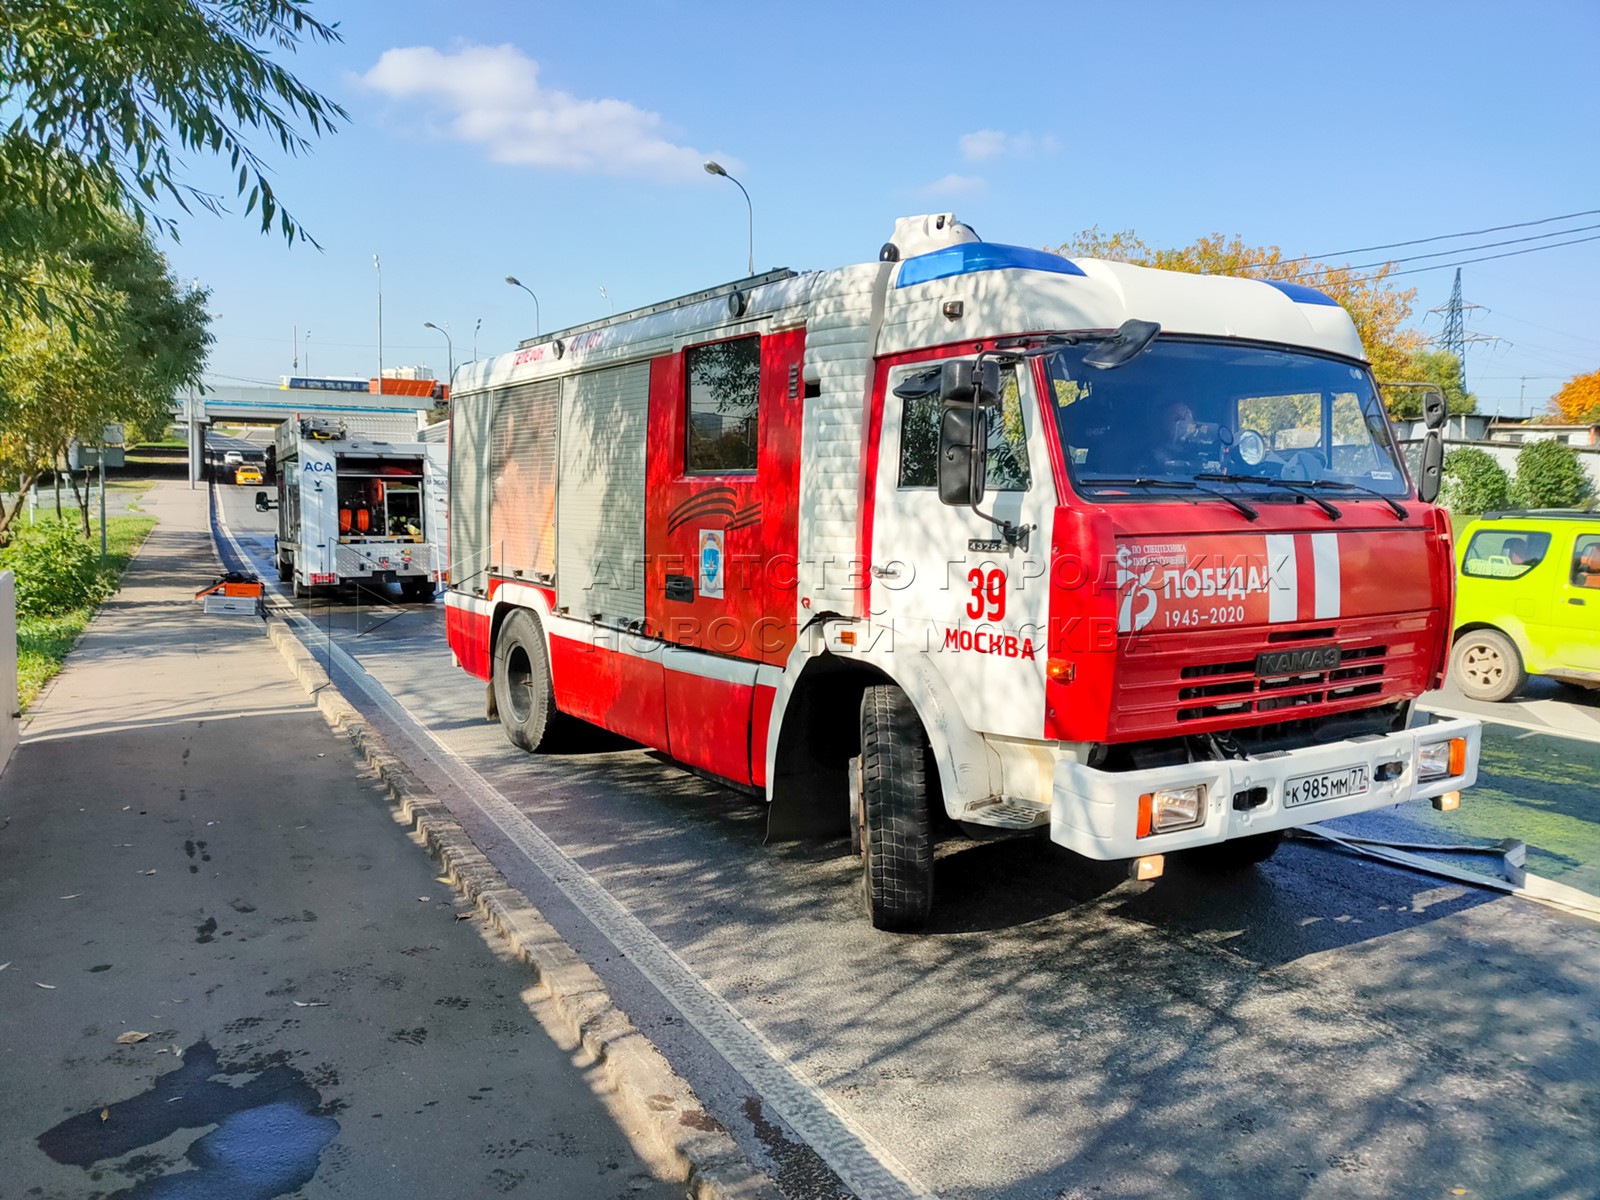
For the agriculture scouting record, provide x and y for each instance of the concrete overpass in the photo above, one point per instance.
(270, 405)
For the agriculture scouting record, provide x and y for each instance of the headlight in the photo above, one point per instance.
(1171, 809)
(1440, 760)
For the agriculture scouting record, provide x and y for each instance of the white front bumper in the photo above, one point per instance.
(1096, 813)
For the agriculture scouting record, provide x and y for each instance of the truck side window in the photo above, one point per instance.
(1504, 553)
(724, 383)
(1007, 468)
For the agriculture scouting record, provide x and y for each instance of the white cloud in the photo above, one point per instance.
(989, 144)
(490, 95)
(955, 185)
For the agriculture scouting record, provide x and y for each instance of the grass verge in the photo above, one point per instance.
(44, 641)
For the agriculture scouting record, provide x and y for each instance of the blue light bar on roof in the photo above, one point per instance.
(968, 258)
(1300, 294)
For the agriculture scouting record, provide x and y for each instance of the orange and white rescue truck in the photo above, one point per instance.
(974, 536)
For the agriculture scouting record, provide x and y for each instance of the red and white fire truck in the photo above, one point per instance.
(974, 536)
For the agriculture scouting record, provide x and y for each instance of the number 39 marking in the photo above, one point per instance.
(988, 595)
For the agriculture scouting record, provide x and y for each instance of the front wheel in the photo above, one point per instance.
(896, 833)
(1485, 665)
(524, 692)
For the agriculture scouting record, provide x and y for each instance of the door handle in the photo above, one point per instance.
(888, 572)
(1574, 599)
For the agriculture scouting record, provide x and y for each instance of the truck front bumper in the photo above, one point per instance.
(1097, 813)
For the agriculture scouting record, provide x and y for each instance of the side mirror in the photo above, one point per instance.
(1432, 476)
(963, 435)
(263, 504)
(1434, 411)
(957, 380)
(1131, 339)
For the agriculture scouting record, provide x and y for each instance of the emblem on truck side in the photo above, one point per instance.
(711, 562)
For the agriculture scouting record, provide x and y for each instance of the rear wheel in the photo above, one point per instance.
(895, 824)
(1485, 665)
(1236, 854)
(524, 692)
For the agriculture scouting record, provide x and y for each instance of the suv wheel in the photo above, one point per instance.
(1486, 666)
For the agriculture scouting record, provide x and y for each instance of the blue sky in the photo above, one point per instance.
(562, 143)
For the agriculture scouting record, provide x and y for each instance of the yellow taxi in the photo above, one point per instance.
(247, 473)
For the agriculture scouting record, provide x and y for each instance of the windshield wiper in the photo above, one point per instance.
(1333, 513)
(1400, 510)
(1180, 484)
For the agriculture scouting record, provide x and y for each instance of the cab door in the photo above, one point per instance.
(942, 579)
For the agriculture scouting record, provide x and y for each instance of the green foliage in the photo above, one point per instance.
(55, 569)
(1430, 366)
(149, 340)
(1474, 482)
(1549, 475)
(43, 641)
(102, 95)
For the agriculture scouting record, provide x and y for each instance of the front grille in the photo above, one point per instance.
(1206, 680)
(1274, 693)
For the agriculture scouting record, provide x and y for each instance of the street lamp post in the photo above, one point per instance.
(715, 168)
(450, 347)
(308, 352)
(475, 329)
(378, 267)
(515, 282)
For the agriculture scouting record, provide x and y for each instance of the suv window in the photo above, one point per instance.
(1586, 561)
(1505, 553)
(1006, 467)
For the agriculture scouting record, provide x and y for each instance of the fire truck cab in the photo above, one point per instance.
(972, 536)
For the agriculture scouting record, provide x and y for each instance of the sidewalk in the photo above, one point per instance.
(187, 851)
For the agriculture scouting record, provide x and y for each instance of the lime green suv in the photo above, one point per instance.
(1527, 602)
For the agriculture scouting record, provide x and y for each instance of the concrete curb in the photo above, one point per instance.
(665, 1108)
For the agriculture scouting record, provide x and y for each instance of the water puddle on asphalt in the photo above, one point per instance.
(268, 1138)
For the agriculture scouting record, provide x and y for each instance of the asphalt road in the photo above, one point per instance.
(1324, 1027)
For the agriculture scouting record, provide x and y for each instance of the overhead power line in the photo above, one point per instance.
(1445, 237)
(1459, 262)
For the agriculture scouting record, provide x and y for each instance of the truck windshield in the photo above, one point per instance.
(1248, 419)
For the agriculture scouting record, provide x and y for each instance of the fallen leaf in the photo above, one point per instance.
(129, 1038)
(173, 1099)
(4, 965)
(126, 807)
(311, 1004)
(105, 1114)
(151, 871)
(163, 1050)
(123, 845)
(74, 896)
(465, 916)
(441, 879)
(422, 899)
(177, 1052)
(322, 756)
(49, 987)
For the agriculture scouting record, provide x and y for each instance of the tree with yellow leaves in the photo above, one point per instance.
(1578, 401)
(1380, 310)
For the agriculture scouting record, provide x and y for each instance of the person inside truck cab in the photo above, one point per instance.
(1175, 448)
